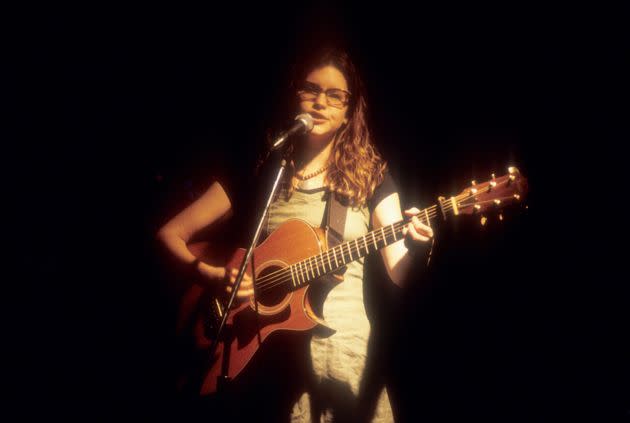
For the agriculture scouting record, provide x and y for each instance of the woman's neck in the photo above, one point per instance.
(315, 155)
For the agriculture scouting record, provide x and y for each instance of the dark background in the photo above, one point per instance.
(119, 111)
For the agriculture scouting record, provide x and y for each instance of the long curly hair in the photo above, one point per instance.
(356, 168)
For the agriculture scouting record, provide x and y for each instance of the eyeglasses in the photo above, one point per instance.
(335, 97)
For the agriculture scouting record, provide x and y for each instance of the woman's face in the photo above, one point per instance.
(325, 97)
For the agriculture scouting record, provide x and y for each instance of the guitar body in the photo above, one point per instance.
(294, 255)
(279, 310)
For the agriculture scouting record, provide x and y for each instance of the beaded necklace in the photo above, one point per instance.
(303, 184)
(312, 174)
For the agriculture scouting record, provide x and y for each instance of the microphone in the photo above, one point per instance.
(303, 123)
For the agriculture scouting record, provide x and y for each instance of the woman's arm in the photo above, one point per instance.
(397, 258)
(206, 210)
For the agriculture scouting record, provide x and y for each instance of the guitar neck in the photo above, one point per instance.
(491, 194)
(334, 258)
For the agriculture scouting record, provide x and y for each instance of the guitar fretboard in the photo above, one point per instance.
(303, 272)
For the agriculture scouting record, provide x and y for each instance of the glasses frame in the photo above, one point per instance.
(317, 90)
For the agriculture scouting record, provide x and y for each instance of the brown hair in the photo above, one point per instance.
(356, 167)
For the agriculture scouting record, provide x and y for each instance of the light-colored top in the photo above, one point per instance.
(339, 359)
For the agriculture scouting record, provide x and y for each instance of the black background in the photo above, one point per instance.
(118, 111)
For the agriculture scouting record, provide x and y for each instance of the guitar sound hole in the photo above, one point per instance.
(271, 289)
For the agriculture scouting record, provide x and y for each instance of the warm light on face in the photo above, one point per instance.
(327, 118)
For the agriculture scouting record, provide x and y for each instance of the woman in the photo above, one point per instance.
(336, 156)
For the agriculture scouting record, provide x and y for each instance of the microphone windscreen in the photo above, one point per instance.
(307, 119)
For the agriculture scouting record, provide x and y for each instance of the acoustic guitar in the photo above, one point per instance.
(292, 258)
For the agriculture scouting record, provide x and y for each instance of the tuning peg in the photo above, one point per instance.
(483, 220)
(497, 201)
(512, 171)
(477, 207)
(500, 216)
(473, 191)
(517, 197)
(493, 183)
(511, 179)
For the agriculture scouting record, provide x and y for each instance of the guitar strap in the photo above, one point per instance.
(334, 222)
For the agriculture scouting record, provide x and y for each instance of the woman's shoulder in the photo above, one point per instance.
(383, 190)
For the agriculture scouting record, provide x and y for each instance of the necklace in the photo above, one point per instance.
(312, 174)
(306, 182)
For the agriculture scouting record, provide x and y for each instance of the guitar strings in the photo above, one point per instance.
(350, 249)
(320, 260)
(285, 275)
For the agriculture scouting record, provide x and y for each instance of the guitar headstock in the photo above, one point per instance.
(493, 194)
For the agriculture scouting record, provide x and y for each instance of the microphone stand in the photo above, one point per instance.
(246, 259)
